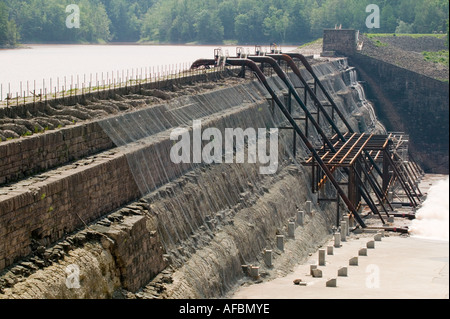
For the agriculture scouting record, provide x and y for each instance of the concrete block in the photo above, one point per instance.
(330, 250)
(332, 283)
(312, 268)
(337, 240)
(254, 272)
(378, 237)
(322, 261)
(300, 218)
(291, 230)
(362, 252)
(280, 242)
(317, 273)
(343, 272)
(346, 219)
(343, 231)
(353, 261)
(268, 258)
(371, 244)
(308, 207)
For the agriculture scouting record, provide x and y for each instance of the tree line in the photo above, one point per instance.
(209, 21)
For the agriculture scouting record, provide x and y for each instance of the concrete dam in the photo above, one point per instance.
(93, 205)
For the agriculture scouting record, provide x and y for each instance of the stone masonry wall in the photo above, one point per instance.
(38, 153)
(73, 196)
(408, 102)
(340, 41)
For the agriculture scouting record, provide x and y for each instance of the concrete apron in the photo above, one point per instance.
(397, 268)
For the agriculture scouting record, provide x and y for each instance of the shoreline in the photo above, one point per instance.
(29, 45)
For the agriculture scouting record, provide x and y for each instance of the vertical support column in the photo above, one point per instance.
(322, 254)
(308, 207)
(353, 191)
(337, 240)
(347, 223)
(291, 230)
(343, 231)
(280, 242)
(268, 258)
(300, 218)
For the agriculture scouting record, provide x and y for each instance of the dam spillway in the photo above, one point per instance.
(104, 194)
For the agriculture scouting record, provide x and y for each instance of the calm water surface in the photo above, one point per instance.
(44, 62)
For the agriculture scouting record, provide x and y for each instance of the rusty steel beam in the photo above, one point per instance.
(252, 65)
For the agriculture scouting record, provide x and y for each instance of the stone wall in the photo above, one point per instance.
(20, 158)
(71, 196)
(38, 153)
(408, 102)
(340, 40)
(208, 221)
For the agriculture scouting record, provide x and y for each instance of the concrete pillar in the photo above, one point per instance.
(343, 272)
(378, 237)
(317, 273)
(322, 261)
(362, 252)
(371, 244)
(280, 242)
(268, 258)
(353, 261)
(291, 230)
(312, 268)
(300, 218)
(308, 207)
(343, 231)
(332, 283)
(347, 221)
(254, 272)
(337, 240)
(330, 250)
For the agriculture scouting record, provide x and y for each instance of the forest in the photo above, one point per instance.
(210, 21)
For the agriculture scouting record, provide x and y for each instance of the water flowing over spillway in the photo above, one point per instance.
(191, 227)
(433, 217)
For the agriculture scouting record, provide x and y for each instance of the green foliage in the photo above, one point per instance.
(9, 35)
(404, 28)
(440, 57)
(415, 35)
(211, 21)
(378, 43)
(3, 23)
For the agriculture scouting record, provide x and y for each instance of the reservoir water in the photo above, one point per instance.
(41, 65)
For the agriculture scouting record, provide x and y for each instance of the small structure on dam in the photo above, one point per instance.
(99, 205)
